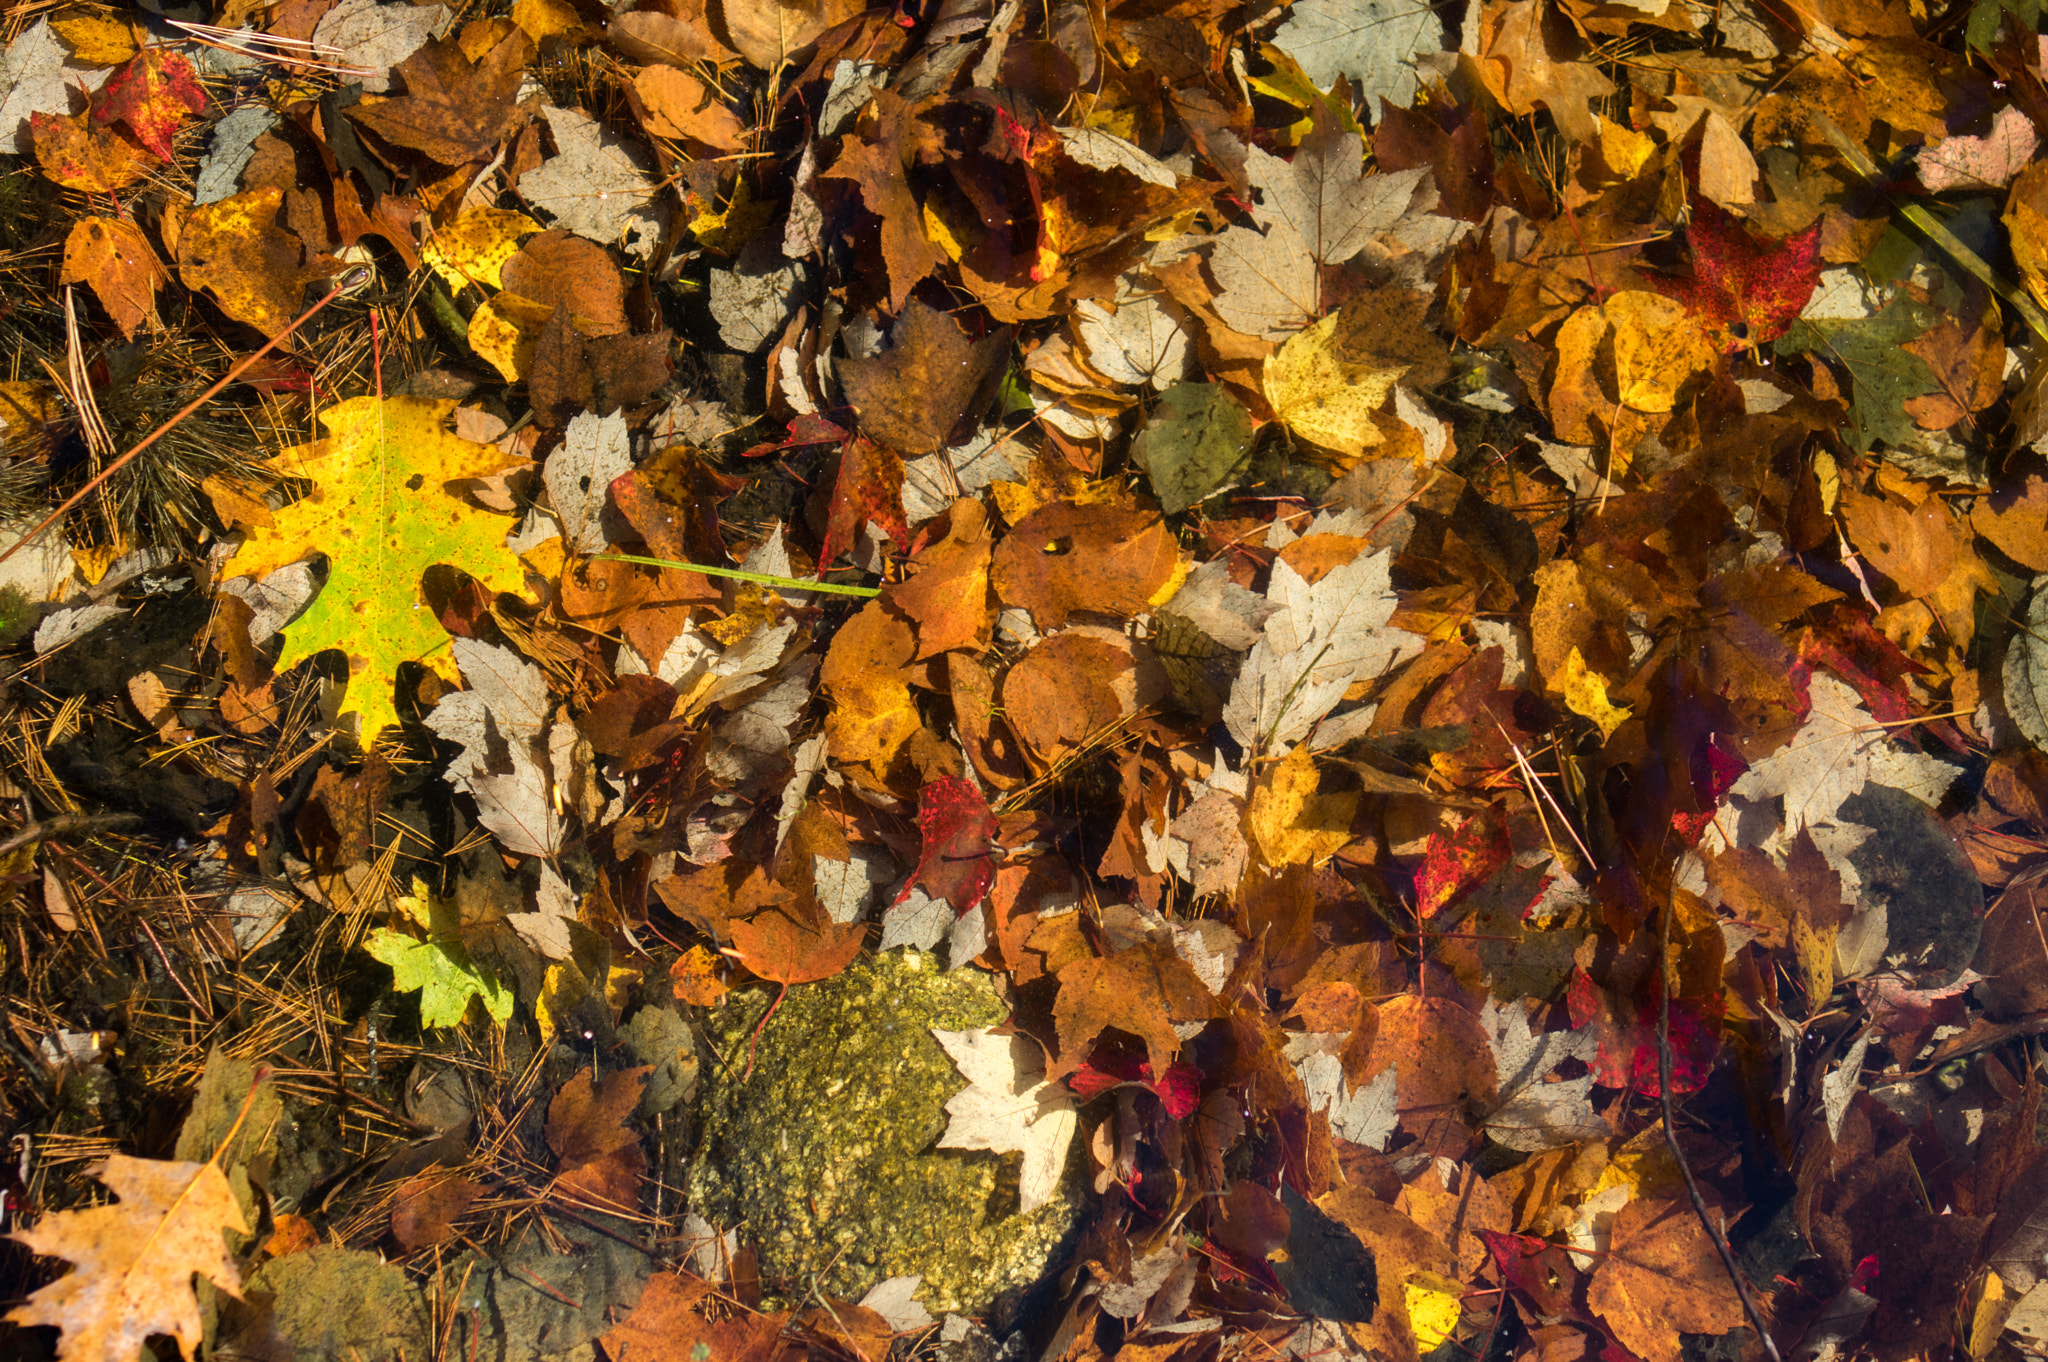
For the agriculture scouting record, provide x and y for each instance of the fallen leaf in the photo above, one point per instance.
(1745, 290)
(454, 110)
(1535, 1112)
(95, 160)
(1662, 1276)
(1977, 163)
(1290, 823)
(378, 510)
(235, 250)
(151, 96)
(473, 249)
(133, 1261)
(115, 258)
(1838, 749)
(911, 395)
(1065, 558)
(1009, 1107)
(595, 186)
(1197, 439)
(1373, 44)
(599, 1158)
(1142, 990)
(957, 860)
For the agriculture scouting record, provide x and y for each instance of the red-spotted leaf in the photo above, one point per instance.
(152, 96)
(869, 491)
(958, 860)
(1745, 290)
(1456, 863)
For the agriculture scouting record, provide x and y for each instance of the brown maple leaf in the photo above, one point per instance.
(454, 110)
(135, 1259)
(1744, 290)
(601, 1157)
(1143, 990)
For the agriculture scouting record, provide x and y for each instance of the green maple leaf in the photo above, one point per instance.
(439, 968)
(1883, 376)
(379, 511)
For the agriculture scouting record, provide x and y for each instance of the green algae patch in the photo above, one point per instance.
(826, 1155)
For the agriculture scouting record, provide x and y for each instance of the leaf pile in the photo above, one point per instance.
(1454, 598)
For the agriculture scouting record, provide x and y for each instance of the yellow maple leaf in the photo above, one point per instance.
(135, 1259)
(1325, 394)
(1292, 824)
(380, 513)
(1585, 694)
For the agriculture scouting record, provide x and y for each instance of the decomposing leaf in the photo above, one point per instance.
(1009, 1107)
(1197, 439)
(1837, 750)
(133, 1261)
(454, 109)
(1662, 1276)
(1323, 638)
(911, 395)
(595, 186)
(501, 724)
(1535, 1111)
(601, 1160)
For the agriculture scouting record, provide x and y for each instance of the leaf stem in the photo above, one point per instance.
(758, 578)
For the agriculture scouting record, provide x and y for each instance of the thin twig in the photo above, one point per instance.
(347, 281)
(64, 825)
(1692, 1187)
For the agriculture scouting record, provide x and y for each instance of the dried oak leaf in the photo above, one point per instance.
(379, 511)
(1143, 990)
(151, 96)
(1744, 290)
(454, 110)
(958, 857)
(1103, 559)
(135, 1259)
(115, 258)
(600, 1157)
(1662, 1277)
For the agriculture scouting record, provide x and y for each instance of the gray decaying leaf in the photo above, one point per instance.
(1320, 640)
(500, 722)
(751, 306)
(230, 149)
(34, 79)
(373, 37)
(579, 476)
(2026, 669)
(1534, 1114)
(1371, 43)
(595, 186)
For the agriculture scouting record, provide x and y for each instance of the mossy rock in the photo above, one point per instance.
(825, 1155)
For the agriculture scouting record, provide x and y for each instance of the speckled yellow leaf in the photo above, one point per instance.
(475, 247)
(543, 19)
(1324, 396)
(1657, 347)
(1585, 694)
(379, 512)
(235, 250)
(1293, 825)
(503, 332)
(96, 40)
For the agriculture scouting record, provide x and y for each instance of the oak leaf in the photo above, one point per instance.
(134, 1260)
(378, 510)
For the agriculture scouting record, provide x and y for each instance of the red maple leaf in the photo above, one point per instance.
(1179, 1089)
(151, 95)
(1744, 290)
(957, 861)
(1628, 1039)
(1460, 861)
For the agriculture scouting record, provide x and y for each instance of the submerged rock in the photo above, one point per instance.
(826, 1155)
